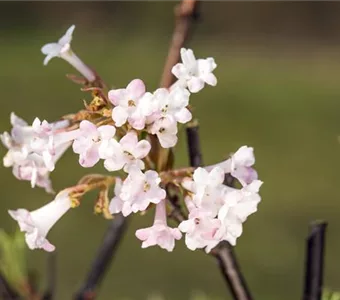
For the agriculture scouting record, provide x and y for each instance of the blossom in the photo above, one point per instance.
(34, 150)
(166, 131)
(63, 50)
(116, 204)
(140, 189)
(194, 73)
(38, 223)
(164, 103)
(160, 233)
(239, 204)
(207, 188)
(239, 165)
(126, 102)
(128, 152)
(200, 228)
(89, 140)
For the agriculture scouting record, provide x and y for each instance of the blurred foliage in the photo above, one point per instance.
(329, 295)
(13, 264)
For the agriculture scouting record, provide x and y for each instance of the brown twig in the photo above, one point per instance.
(185, 13)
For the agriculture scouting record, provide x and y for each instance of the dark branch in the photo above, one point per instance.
(6, 291)
(231, 271)
(314, 265)
(51, 277)
(194, 147)
(103, 259)
(185, 13)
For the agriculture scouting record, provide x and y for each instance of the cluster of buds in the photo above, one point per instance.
(133, 131)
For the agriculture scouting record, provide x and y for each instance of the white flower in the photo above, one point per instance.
(126, 102)
(166, 131)
(89, 140)
(239, 165)
(200, 228)
(63, 50)
(34, 150)
(37, 224)
(160, 233)
(164, 103)
(117, 205)
(208, 189)
(128, 152)
(194, 73)
(140, 189)
(239, 204)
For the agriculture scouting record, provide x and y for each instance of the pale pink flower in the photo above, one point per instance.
(239, 165)
(207, 188)
(126, 102)
(140, 189)
(63, 50)
(160, 233)
(194, 73)
(34, 150)
(166, 131)
(38, 223)
(128, 152)
(164, 103)
(90, 139)
(239, 204)
(200, 228)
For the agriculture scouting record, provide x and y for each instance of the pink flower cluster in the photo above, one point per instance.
(216, 211)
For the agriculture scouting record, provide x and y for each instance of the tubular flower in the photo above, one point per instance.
(63, 50)
(38, 223)
(160, 233)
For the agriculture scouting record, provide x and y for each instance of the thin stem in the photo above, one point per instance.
(194, 147)
(314, 264)
(185, 13)
(103, 258)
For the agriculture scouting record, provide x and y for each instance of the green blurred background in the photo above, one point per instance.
(278, 91)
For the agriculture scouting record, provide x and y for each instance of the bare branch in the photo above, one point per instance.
(314, 265)
(103, 259)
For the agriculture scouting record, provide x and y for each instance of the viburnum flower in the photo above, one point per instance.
(140, 189)
(34, 150)
(128, 152)
(38, 223)
(207, 188)
(166, 130)
(160, 233)
(200, 228)
(194, 73)
(116, 204)
(239, 165)
(171, 103)
(63, 50)
(241, 203)
(126, 102)
(90, 139)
